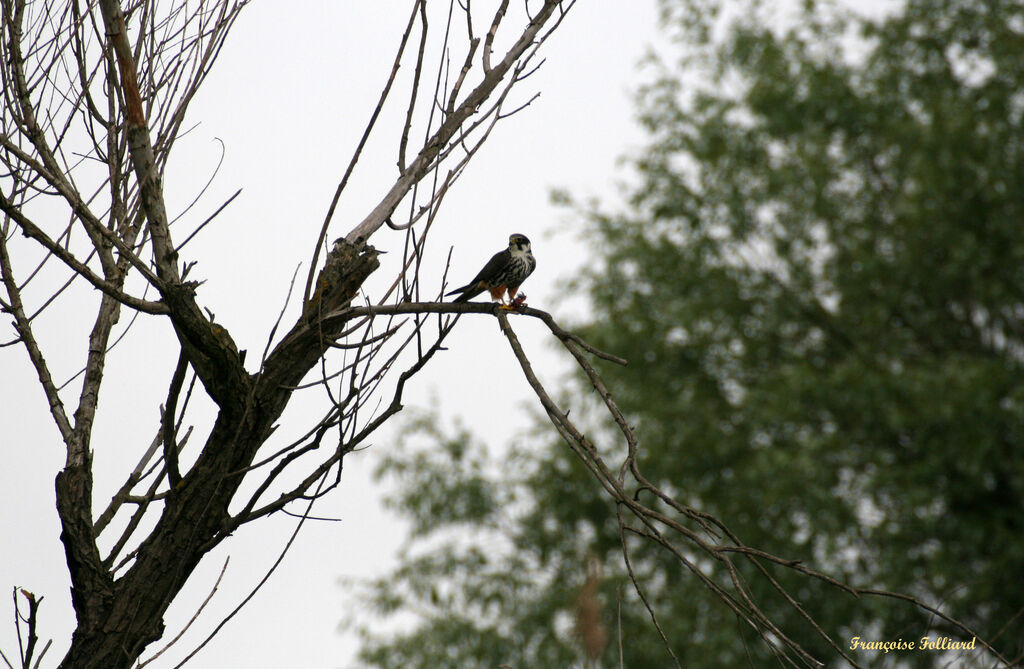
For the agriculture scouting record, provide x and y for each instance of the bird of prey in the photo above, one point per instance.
(506, 271)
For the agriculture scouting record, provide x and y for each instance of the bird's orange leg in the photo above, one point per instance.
(498, 293)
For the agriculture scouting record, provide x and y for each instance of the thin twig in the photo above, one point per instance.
(191, 620)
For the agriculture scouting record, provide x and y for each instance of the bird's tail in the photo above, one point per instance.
(466, 291)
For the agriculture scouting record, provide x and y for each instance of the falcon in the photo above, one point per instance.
(505, 271)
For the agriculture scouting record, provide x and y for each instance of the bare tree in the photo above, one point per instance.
(95, 97)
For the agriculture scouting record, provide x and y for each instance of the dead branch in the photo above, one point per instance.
(28, 641)
(530, 38)
(655, 523)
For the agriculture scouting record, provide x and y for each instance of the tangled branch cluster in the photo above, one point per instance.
(97, 95)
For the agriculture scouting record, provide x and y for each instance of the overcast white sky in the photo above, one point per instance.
(289, 98)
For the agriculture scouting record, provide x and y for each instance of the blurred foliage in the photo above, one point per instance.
(819, 284)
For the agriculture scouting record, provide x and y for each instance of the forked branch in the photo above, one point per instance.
(711, 537)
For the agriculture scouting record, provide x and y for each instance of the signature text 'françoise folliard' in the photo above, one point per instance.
(924, 643)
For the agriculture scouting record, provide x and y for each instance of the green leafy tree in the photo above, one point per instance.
(819, 284)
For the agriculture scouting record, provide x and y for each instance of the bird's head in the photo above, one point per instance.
(518, 244)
